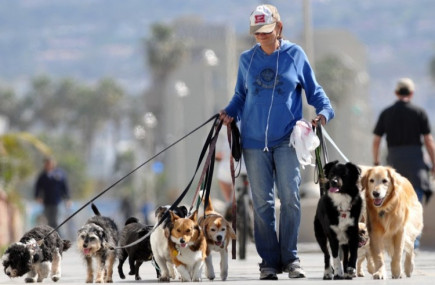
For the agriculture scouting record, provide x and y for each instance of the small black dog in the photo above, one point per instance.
(96, 239)
(336, 221)
(138, 253)
(36, 256)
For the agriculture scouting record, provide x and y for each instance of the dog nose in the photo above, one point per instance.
(334, 182)
(8, 273)
(182, 240)
(85, 245)
(219, 238)
(376, 194)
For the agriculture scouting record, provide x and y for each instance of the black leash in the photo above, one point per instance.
(321, 149)
(214, 117)
(209, 144)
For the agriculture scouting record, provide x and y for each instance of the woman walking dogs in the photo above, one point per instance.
(268, 101)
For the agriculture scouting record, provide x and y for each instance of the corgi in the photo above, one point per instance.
(218, 234)
(187, 246)
(159, 243)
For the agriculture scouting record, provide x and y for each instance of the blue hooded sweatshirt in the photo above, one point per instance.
(268, 94)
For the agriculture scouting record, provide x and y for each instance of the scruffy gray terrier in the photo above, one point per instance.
(96, 240)
(36, 254)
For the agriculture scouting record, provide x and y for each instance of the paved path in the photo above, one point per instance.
(246, 271)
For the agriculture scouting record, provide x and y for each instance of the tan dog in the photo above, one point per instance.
(218, 233)
(363, 251)
(394, 219)
(187, 246)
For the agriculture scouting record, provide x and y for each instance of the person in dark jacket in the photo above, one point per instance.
(407, 128)
(51, 188)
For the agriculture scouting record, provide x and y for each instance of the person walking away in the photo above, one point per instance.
(51, 188)
(405, 126)
(268, 102)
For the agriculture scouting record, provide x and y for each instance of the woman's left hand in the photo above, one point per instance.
(317, 119)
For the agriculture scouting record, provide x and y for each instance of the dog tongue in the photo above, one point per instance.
(183, 244)
(86, 250)
(333, 189)
(218, 243)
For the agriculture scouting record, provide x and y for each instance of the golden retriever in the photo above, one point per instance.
(394, 219)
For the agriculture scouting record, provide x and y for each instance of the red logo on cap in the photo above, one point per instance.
(259, 19)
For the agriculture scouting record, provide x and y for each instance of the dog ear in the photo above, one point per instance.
(36, 258)
(354, 171)
(173, 216)
(183, 210)
(231, 231)
(327, 168)
(365, 179)
(142, 232)
(194, 216)
(393, 175)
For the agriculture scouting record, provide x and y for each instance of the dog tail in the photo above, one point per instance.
(95, 209)
(66, 244)
(131, 220)
(209, 207)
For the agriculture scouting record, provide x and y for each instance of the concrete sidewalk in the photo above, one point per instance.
(245, 271)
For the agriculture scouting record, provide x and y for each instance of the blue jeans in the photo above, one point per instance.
(279, 166)
(420, 195)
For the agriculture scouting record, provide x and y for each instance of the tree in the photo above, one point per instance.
(17, 152)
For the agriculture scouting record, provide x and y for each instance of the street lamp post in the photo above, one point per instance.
(181, 91)
(210, 60)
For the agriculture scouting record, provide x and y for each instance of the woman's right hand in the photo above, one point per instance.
(225, 118)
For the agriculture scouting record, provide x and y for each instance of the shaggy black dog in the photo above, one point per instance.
(35, 255)
(337, 217)
(138, 253)
(96, 239)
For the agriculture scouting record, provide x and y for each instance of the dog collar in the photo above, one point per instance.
(343, 214)
(175, 252)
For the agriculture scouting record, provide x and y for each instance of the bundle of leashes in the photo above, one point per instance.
(211, 135)
(205, 180)
(321, 154)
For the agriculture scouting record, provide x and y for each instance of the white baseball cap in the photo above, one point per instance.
(405, 86)
(263, 19)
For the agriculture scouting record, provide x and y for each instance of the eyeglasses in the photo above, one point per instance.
(257, 34)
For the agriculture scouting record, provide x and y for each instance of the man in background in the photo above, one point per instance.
(407, 128)
(51, 188)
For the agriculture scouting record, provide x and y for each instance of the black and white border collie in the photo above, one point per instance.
(336, 220)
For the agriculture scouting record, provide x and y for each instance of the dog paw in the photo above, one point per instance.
(338, 277)
(360, 274)
(138, 278)
(397, 276)
(164, 279)
(29, 280)
(328, 274)
(211, 276)
(350, 273)
(378, 275)
(55, 278)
